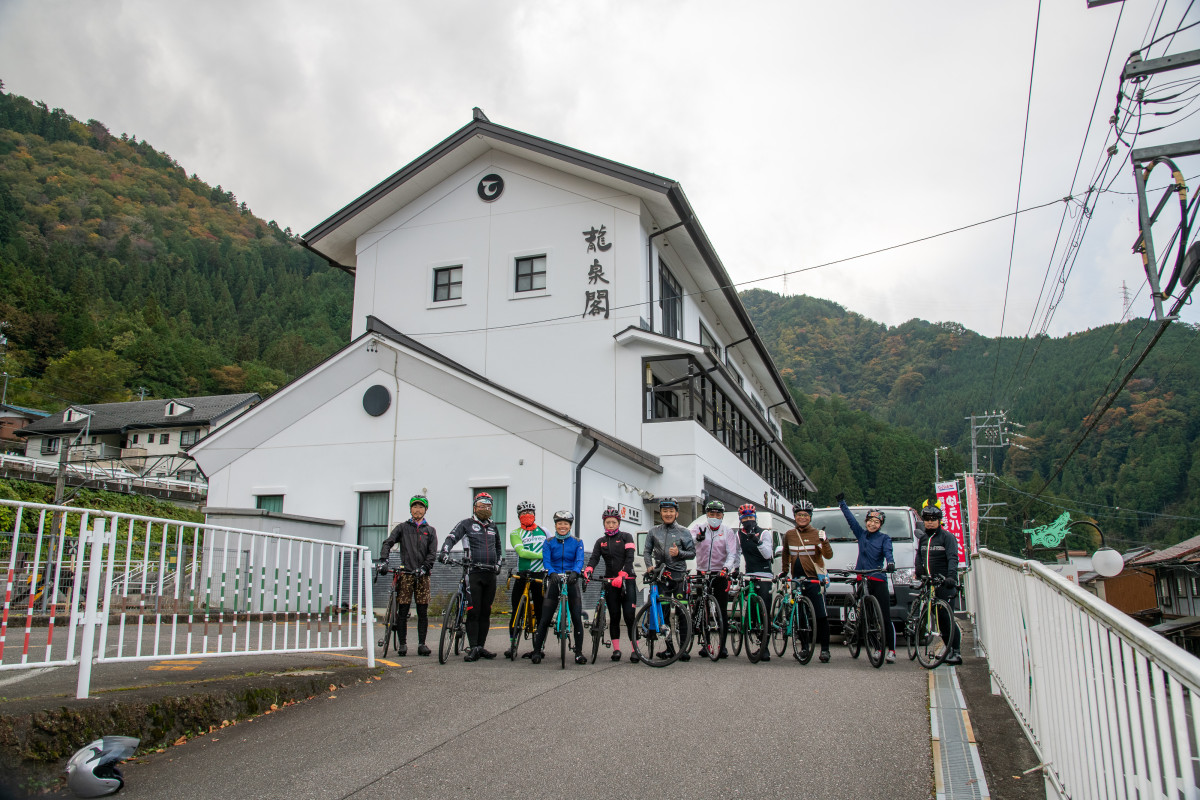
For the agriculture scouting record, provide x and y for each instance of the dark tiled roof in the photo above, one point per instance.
(1175, 552)
(140, 414)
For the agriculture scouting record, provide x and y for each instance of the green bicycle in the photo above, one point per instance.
(793, 616)
(748, 620)
(927, 642)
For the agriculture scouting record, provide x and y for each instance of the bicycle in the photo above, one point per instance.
(922, 627)
(793, 616)
(864, 618)
(523, 622)
(454, 619)
(598, 625)
(562, 617)
(748, 619)
(391, 620)
(661, 616)
(708, 625)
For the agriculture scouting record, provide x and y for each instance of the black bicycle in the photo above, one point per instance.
(598, 624)
(392, 624)
(927, 642)
(863, 626)
(454, 619)
(708, 624)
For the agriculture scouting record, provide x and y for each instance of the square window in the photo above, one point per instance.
(187, 438)
(269, 502)
(164, 438)
(447, 284)
(531, 273)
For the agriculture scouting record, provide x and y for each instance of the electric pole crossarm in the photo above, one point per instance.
(1177, 150)
(1136, 68)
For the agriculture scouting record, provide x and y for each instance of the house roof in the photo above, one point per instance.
(335, 238)
(28, 412)
(1185, 550)
(1176, 625)
(141, 414)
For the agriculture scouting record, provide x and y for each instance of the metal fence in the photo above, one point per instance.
(135, 588)
(1110, 707)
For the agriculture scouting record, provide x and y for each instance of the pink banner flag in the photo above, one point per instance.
(947, 495)
(972, 512)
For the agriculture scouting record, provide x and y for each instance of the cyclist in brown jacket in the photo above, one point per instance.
(804, 552)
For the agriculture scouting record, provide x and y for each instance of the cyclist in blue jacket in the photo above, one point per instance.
(875, 552)
(562, 558)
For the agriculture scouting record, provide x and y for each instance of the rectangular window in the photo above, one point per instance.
(1195, 587)
(670, 300)
(50, 445)
(707, 340)
(134, 440)
(372, 519)
(531, 273)
(269, 502)
(1181, 585)
(187, 438)
(500, 515)
(447, 284)
(1164, 592)
(164, 438)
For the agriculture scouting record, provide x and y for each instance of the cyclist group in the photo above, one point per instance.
(557, 562)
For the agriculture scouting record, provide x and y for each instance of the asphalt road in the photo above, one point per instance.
(498, 729)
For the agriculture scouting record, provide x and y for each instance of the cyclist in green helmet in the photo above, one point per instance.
(418, 549)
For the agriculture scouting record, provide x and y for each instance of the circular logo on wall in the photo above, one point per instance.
(490, 187)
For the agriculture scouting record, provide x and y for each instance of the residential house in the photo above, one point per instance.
(1177, 580)
(1132, 591)
(531, 320)
(144, 437)
(12, 419)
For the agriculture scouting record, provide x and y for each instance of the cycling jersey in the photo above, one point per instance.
(756, 548)
(937, 554)
(716, 549)
(659, 543)
(418, 545)
(874, 549)
(562, 555)
(804, 553)
(482, 540)
(527, 544)
(617, 551)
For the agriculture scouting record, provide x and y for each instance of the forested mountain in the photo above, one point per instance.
(119, 272)
(926, 377)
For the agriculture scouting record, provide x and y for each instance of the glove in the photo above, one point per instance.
(616, 582)
(821, 535)
(422, 572)
(841, 497)
(383, 567)
(723, 574)
(572, 578)
(891, 567)
(587, 572)
(700, 536)
(443, 557)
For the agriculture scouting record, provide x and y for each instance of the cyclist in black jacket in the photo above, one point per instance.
(483, 547)
(617, 549)
(418, 548)
(937, 555)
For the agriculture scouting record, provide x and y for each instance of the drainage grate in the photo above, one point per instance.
(958, 772)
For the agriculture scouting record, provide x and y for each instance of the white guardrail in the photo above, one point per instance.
(1111, 708)
(121, 477)
(133, 588)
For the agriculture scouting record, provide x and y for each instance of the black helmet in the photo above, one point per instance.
(931, 512)
(802, 506)
(564, 516)
(875, 512)
(669, 502)
(714, 505)
(92, 771)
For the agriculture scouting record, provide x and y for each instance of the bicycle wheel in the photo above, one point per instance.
(780, 611)
(873, 632)
(516, 626)
(711, 635)
(735, 626)
(599, 621)
(852, 630)
(934, 644)
(389, 622)
(562, 647)
(668, 634)
(804, 630)
(755, 626)
(911, 626)
(449, 636)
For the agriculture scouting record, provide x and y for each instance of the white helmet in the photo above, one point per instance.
(92, 771)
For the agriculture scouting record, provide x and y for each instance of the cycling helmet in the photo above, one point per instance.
(714, 505)
(92, 771)
(483, 497)
(804, 506)
(747, 511)
(525, 506)
(611, 512)
(564, 516)
(669, 502)
(875, 512)
(418, 500)
(931, 512)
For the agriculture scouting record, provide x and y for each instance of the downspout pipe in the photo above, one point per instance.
(579, 482)
(650, 266)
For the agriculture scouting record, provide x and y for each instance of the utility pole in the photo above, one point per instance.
(937, 474)
(995, 429)
(4, 362)
(142, 393)
(1125, 301)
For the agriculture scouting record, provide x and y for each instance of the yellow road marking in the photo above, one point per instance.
(364, 658)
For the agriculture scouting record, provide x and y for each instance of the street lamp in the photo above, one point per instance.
(1107, 562)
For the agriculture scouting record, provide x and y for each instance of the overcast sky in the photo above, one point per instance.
(802, 132)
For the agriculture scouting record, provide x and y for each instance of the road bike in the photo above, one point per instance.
(391, 620)
(663, 619)
(863, 626)
(708, 624)
(598, 625)
(748, 621)
(562, 615)
(927, 643)
(454, 619)
(523, 622)
(793, 616)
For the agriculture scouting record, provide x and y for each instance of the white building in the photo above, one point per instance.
(531, 320)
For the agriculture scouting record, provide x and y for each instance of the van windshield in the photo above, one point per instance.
(897, 525)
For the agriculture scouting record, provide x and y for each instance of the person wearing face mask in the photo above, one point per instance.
(757, 546)
(717, 554)
(526, 541)
(671, 545)
(481, 546)
(616, 548)
(562, 556)
(874, 552)
(804, 552)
